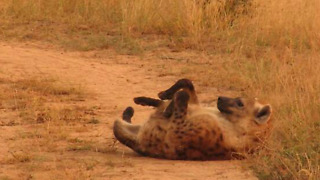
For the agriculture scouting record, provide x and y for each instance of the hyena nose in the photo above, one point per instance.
(223, 98)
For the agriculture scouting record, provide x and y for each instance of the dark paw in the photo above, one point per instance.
(185, 83)
(163, 95)
(139, 100)
(180, 84)
(127, 114)
(145, 101)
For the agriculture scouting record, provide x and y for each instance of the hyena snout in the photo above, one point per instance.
(226, 104)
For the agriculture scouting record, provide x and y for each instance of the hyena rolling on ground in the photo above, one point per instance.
(180, 128)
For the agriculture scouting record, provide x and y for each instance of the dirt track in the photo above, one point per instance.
(114, 80)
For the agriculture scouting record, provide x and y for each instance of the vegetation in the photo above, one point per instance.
(37, 116)
(246, 25)
(270, 49)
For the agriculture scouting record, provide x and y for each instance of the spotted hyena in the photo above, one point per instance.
(180, 128)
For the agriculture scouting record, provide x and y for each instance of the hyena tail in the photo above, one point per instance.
(127, 133)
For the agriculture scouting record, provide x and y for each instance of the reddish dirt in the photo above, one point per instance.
(114, 80)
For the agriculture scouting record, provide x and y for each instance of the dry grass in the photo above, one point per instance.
(270, 50)
(227, 25)
(35, 99)
(40, 115)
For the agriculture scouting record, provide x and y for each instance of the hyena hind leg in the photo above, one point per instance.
(127, 114)
(126, 125)
(184, 84)
(127, 134)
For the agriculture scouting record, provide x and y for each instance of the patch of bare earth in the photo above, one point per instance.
(84, 147)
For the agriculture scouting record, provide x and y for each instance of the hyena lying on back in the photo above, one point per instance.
(182, 129)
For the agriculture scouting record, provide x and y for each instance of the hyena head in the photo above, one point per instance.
(251, 116)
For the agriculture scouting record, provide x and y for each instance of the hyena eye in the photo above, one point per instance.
(239, 103)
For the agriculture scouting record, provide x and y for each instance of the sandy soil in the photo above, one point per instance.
(114, 80)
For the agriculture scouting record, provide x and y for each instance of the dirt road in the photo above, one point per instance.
(113, 80)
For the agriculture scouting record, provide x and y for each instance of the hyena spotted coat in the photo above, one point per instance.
(180, 128)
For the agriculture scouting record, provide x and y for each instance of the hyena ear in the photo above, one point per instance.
(263, 115)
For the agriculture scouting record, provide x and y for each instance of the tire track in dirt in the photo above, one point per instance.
(114, 85)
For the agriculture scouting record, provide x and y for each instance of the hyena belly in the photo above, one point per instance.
(151, 137)
(197, 137)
